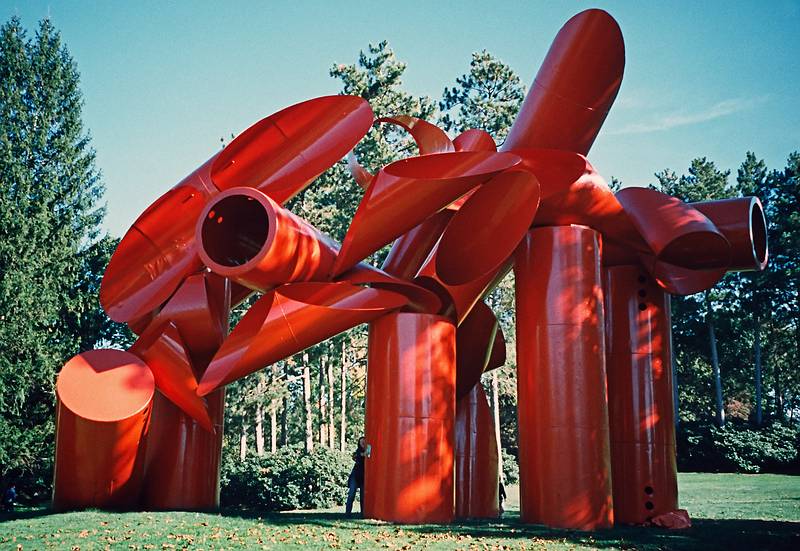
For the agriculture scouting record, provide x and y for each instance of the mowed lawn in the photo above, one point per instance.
(729, 512)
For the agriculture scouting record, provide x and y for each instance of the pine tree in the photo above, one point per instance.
(51, 252)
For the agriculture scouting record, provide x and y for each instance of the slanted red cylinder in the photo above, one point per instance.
(477, 475)
(250, 239)
(104, 402)
(641, 411)
(565, 466)
(410, 415)
(183, 458)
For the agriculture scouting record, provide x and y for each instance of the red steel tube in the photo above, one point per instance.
(250, 239)
(104, 402)
(565, 467)
(640, 400)
(183, 458)
(477, 475)
(410, 415)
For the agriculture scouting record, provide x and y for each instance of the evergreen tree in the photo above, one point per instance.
(51, 257)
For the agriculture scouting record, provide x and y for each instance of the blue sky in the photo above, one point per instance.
(162, 82)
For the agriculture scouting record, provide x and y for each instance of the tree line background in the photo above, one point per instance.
(736, 346)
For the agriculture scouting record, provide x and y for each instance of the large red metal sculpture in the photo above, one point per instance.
(594, 271)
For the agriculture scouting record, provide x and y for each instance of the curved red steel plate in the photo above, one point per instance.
(574, 88)
(744, 225)
(428, 137)
(409, 251)
(157, 252)
(676, 233)
(678, 280)
(289, 320)
(477, 458)
(475, 338)
(162, 349)
(283, 153)
(248, 238)
(474, 140)
(488, 227)
(420, 299)
(199, 309)
(406, 192)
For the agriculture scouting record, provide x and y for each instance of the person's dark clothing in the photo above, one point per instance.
(355, 481)
(501, 494)
(8, 499)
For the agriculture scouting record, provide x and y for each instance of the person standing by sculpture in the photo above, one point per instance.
(356, 479)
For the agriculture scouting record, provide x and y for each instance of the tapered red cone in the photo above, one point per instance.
(409, 251)
(290, 319)
(574, 88)
(282, 153)
(405, 193)
(475, 339)
(168, 358)
(488, 227)
(157, 253)
(676, 232)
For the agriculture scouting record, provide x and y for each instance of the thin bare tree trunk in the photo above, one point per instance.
(331, 425)
(343, 411)
(496, 412)
(323, 401)
(259, 429)
(757, 362)
(719, 413)
(273, 412)
(307, 404)
(284, 421)
(243, 443)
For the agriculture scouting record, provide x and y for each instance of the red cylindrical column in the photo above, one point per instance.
(565, 467)
(477, 476)
(641, 411)
(104, 401)
(410, 416)
(183, 459)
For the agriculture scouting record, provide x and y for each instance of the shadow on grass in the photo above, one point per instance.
(724, 534)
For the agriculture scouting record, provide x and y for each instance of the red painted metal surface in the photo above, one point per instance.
(743, 224)
(278, 155)
(641, 415)
(405, 193)
(477, 475)
(289, 320)
(475, 242)
(419, 298)
(281, 154)
(248, 238)
(410, 417)
(475, 340)
(408, 253)
(183, 458)
(565, 466)
(165, 353)
(104, 402)
(474, 140)
(574, 88)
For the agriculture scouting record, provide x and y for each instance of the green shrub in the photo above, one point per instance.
(287, 479)
(737, 447)
(510, 469)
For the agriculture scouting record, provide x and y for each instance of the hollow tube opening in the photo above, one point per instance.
(234, 230)
(758, 227)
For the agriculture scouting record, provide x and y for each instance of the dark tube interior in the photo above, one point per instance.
(759, 227)
(234, 230)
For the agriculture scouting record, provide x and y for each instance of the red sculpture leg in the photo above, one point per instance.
(477, 475)
(410, 415)
(565, 467)
(640, 401)
(104, 401)
(183, 458)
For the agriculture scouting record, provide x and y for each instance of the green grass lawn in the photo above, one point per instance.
(729, 512)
